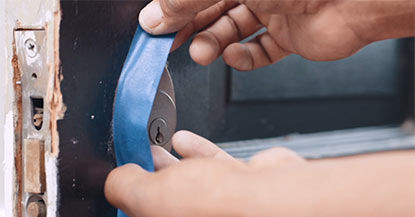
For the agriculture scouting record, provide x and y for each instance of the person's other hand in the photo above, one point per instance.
(320, 30)
(207, 182)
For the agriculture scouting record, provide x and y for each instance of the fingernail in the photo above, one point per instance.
(151, 15)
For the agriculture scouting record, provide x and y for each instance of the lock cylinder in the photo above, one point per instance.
(162, 122)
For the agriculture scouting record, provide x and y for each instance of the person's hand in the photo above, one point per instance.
(315, 29)
(208, 182)
(276, 182)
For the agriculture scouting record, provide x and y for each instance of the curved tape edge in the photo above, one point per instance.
(135, 94)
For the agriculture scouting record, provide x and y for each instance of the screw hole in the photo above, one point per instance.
(36, 206)
(34, 76)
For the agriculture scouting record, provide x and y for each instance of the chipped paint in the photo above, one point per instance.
(52, 183)
(6, 124)
(57, 106)
(7, 167)
(17, 126)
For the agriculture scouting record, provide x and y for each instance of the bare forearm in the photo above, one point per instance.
(368, 185)
(276, 182)
(375, 20)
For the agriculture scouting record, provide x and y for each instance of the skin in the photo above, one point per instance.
(314, 29)
(276, 182)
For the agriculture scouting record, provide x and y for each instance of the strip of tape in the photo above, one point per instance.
(136, 91)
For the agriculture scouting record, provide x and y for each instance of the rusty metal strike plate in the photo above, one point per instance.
(32, 60)
(35, 118)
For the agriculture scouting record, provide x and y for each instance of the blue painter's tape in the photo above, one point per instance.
(136, 91)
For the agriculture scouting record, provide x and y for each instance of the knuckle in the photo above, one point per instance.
(222, 6)
(172, 7)
(118, 182)
(217, 153)
(244, 2)
(232, 24)
(180, 137)
(282, 151)
(285, 154)
(181, 134)
(117, 175)
(112, 178)
(110, 188)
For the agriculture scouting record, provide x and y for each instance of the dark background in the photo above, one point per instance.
(295, 95)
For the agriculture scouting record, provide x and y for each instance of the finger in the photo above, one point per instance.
(123, 183)
(284, 7)
(237, 24)
(201, 20)
(162, 158)
(166, 16)
(190, 145)
(274, 157)
(259, 52)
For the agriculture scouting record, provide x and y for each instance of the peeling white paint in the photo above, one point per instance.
(7, 167)
(6, 125)
(52, 185)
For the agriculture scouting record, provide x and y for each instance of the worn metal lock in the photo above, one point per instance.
(162, 122)
(35, 116)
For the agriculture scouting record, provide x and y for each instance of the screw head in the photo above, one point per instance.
(38, 121)
(31, 47)
(36, 209)
(158, 131)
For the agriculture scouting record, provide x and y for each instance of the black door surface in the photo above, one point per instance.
(295, 95)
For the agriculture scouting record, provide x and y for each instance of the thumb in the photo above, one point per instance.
(167, 16)
(121, 187)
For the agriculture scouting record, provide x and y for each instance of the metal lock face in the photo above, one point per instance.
(35, 118)
(162, 122)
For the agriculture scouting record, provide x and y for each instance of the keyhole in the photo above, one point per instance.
(159, 136)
